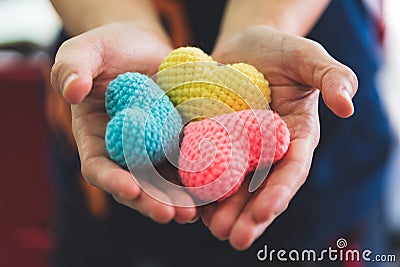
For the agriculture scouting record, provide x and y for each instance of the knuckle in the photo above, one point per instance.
(60, 68)
(86, 167)
(312, 45)
(55, 74)
(117, 198)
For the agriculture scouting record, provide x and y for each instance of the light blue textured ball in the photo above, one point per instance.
(131, 89)
(145, 125)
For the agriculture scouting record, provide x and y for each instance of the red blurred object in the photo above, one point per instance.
(25, 191)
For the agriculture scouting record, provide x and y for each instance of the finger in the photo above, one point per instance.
(285, 180)
(77, 62)
(96, 167)
(245, 231)
(166, 180)
(100, 171)
(185, 215)
(106, 175)
(227, 212)
(301, 60)
(274, 196)
(151, 202)
(313, 66)
(207, 213)
(185, 210)
(337, 90)
(118, 182)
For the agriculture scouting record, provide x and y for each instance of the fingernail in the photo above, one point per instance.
(259, 230)
(195, 219)
(150, 215)
(206, 224)
(345, 94)
(72, 77)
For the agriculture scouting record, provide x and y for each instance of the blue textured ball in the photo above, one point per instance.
(145, 126)
(131, 89)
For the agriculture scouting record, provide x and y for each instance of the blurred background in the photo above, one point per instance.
(28, 29)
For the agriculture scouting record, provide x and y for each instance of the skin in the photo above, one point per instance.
(297, 69)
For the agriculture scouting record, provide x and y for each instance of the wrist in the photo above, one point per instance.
(79, 16)
(290, 16)
(230, 41)
(146, 19)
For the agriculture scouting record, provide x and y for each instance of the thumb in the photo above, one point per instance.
(337, 82)
(338, 85)
(76, 64)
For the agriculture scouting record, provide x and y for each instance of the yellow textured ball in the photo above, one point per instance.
(182, 55)
(255, 77)
(209, 89)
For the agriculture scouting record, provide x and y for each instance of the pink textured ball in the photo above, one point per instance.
(217, 153)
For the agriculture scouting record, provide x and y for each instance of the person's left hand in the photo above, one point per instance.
(295, 68)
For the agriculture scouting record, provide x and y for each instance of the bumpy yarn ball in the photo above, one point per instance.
(144, 125)
(131, 89)
(188, 73)
(184, 55)
(217, 153)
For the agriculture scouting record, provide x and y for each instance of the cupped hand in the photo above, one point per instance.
(84, 66)
(297, 69)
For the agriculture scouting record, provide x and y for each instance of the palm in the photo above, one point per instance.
(294, 67)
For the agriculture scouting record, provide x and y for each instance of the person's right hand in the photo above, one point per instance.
(84, 66)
